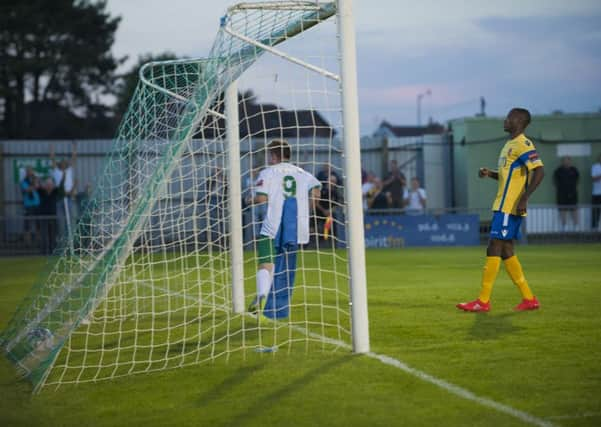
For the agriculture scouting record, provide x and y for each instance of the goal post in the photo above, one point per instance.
(159, 270)
(235, 197)
(350, 112)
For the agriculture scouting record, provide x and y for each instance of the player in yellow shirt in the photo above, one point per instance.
(519, 173)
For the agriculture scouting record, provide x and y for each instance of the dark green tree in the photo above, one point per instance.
(54, 56)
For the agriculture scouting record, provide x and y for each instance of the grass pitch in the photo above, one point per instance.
(545, 363)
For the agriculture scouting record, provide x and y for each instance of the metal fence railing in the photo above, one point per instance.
(28, 235)
(37, 235)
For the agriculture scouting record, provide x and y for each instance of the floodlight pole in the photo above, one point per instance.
(356, 241)
(235, 197)
(421, 96)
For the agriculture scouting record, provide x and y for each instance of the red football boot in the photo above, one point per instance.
(527, 304)
(474, 306)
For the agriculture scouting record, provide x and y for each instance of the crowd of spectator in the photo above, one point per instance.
(51, 203)
(392, 192)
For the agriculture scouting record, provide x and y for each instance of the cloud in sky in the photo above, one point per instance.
(540, 61)
(542, 54)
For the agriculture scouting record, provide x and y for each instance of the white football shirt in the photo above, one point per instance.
(279, 182)
(57, 175)
(414, 203)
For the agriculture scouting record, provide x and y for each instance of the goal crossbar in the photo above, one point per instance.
(281, 54)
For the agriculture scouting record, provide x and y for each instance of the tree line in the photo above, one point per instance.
(58, 75)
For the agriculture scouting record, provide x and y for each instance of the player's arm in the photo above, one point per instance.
(261, 188)
(537, 177)
(485, 172)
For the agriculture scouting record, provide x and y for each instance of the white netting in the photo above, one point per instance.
(144, 283)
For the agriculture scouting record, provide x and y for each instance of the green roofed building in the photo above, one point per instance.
(477, 141)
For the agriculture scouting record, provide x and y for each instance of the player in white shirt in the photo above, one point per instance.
(290, 194)
(415, 198)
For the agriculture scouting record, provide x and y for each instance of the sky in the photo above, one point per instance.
(544, 55)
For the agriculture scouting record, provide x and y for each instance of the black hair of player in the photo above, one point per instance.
(524, 116)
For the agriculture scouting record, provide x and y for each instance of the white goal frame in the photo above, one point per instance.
(352, 179)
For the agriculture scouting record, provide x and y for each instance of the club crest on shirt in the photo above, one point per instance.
(509, 152)
(528, 143)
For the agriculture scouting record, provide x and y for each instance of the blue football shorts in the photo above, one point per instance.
(505, 226)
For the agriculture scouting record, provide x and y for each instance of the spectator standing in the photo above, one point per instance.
(328, 204)
(64, 180)
(31, 202)
(415, 200)
(48, 211)
(377, 198)
(566, 178)
(596, 200)
(366, 189)
(394, 183)
(323, 175)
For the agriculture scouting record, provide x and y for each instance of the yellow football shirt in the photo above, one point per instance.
(518, 157)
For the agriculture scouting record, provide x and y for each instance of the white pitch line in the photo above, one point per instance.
(445, 385)
(571, 417)
(461, 392)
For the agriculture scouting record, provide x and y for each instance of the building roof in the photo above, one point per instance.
(386, 128)
(265, 120)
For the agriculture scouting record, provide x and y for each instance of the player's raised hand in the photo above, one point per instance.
(483, 172)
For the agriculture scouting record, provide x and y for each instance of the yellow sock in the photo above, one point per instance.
(491, 268)
(514, 269)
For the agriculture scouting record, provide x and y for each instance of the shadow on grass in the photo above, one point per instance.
(223, 389)
(278, 394)
(489, 327)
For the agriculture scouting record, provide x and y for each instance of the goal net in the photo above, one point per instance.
(161, 266)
